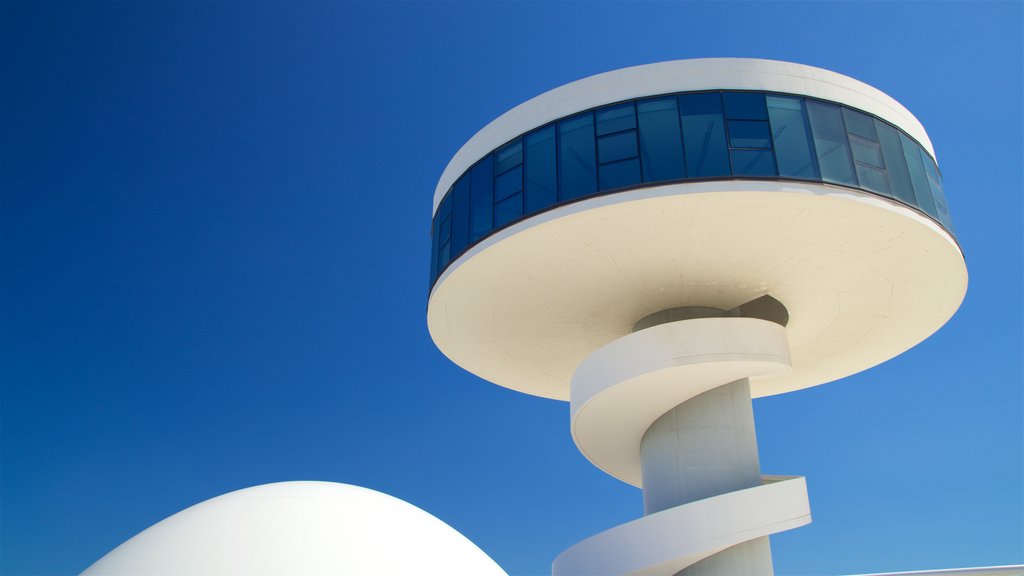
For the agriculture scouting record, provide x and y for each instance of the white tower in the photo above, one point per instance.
(658, 245)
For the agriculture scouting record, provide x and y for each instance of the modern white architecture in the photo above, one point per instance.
(298, 528)
(658, 245)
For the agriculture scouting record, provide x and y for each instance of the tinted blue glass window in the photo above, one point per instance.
(577, 161)
(749, 134)
(867, 159)
(918, 177)
(508, 157)
(710, 134)
(446, 230)
(745, 106)
(859, 123)
(460, 215)
(863, 140)
(791, 136)
(661, 143)
(704, 135)
(866, 151)
(444, 216)
(753, 163)
(617, 150)
(444, 255)
(481, 198)
(895, 164)
(616, 147)
(830, 143)
(508, 183)
(435, 231)
(616, 119)
(873, 179)
(620, 174)
(541, 177)
(508, 210)
(938, 195)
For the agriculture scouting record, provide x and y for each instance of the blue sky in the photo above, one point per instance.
(215, 253)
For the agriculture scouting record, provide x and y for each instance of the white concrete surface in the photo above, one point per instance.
(621, 389)
(669, 541)
(668, 407)
(547, 307)
(678, 76)
(863, 278)
(704, 447)
(1008, 570)
(298, 528)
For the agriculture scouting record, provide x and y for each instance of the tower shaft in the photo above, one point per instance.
(705, 447)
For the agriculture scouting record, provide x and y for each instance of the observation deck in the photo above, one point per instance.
(697, 182)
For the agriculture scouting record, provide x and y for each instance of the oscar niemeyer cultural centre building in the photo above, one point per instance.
(656, 245)
(660, 244)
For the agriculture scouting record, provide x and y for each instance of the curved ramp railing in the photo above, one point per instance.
(620, 390)
(671, 540)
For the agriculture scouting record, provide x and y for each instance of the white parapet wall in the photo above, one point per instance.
(1008, 570)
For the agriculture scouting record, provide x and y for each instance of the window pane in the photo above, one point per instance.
(830, 143)
(866, 151)
(620, 174)
(938, 195)
(918, 178)
(616, 119)
(460, 215)
(577, 164)
(792, 138)
(859, 123)
(481, 198)
(753, 163)
(507, 184)
(444, 255)
(435, 231)
(872, 178)
(446, 230)
(864, 145)
(895, 164)
(508, 157)
(444, 211)
(540, 170)
(745, 106)
(749, 134)
(616, 147)
(661, 144)
(508, 210)
(704, 135)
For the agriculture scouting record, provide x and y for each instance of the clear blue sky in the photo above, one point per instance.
(214, 273)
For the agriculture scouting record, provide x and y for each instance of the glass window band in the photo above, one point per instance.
(670, 138)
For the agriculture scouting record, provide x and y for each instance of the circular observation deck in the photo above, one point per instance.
(692, 183)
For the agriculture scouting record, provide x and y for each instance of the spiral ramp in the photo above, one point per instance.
(621, 395)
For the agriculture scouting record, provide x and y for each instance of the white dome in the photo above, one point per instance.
(299, 528)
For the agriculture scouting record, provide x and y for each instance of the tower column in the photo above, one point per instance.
(668, 408)
(705, 447)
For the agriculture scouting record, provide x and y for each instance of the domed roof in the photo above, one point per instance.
(299, 528)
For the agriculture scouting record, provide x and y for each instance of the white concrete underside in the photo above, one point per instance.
(864, 278)
(678, 76)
